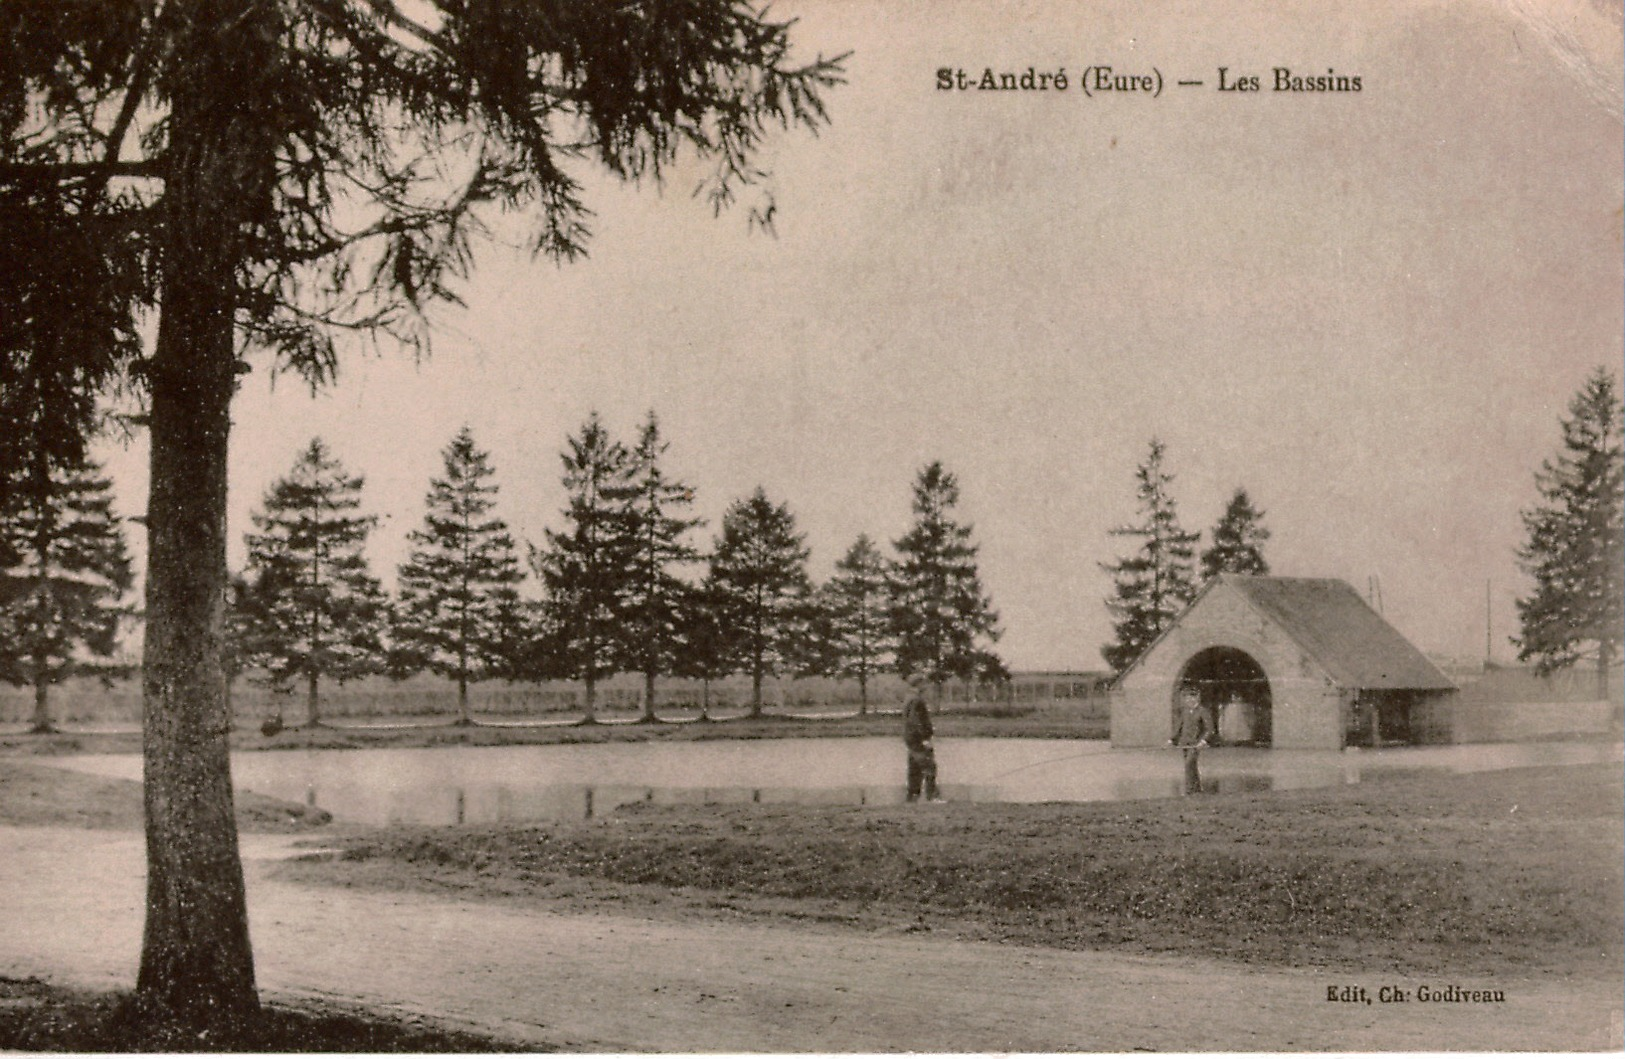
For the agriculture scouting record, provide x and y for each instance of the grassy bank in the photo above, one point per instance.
(39, 796)
(1474, 875)
(982, 722)
(38, 1017)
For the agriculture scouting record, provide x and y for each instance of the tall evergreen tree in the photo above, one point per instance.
(301, 171)
(655, 591)
(1238, 541)
(62, 590)
(311, 607)
(817, 650)
(1576, 547)
(857, 600)
(759, 570)
(458, 593)
(589, 568)
(1155, 582)
(943, 622)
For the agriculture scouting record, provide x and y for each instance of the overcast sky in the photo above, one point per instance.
(1369, 308)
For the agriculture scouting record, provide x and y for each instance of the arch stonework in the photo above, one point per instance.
(1307, 708)
(1226, 675)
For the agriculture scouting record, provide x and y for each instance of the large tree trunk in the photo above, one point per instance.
(649, 695)
(196, 962)
(313, 699)
(44, 529)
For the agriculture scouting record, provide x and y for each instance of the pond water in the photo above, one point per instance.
(449, 785)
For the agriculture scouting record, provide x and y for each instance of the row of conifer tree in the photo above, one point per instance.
(621, 587)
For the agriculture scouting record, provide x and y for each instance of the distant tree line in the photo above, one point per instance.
(620, 585)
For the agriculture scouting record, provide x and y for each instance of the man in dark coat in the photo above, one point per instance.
(922, 758)
(1195, 730)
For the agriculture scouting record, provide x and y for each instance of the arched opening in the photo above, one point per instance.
(1235, 692)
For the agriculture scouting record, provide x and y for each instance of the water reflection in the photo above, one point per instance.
(575, 801)
(449, 785)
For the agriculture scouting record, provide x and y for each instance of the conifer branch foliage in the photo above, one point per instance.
(309, 607)
(375, 141)
(1238, 541)
(943, 622)
(707, 653)
(458, 599)
(856, 604)
(589, 570)
(1575, 552)
(63, 579)
(761, 591)
(1153, 584)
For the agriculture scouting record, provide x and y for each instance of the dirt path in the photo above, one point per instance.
(72, 912)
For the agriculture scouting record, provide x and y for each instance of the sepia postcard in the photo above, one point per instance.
(1338, 283)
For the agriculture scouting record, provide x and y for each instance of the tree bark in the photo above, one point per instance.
(313, 702)
(589, 683)
(197, 966)
(44, 603)
(649, 695)
(42, 700)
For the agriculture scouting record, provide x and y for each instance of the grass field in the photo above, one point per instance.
(1491, 873)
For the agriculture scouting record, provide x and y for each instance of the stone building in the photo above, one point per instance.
(1295, 663)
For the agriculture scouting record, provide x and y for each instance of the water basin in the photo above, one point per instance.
(450, 785)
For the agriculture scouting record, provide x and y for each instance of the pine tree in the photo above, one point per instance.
(1576, 547)
(285, 175)
(1238, 541)
(857, 601)
(458, 589)
(759, 570)
(942, 620)
(62, 590)
(817, 651)
(654, 591)
(588, 569)
(312, 608)
(1156, 582)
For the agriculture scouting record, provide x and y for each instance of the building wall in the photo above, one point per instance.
(1308, 709)
(1435, 718)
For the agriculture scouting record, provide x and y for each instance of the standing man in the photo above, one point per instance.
(922, 757)
(1194, 732)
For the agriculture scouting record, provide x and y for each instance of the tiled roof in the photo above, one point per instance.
(1353, 643)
